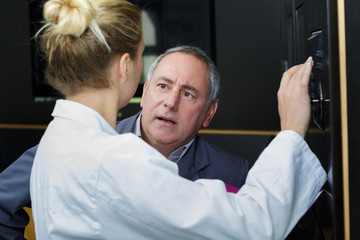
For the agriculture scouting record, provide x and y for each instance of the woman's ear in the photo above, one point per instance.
(124, 64)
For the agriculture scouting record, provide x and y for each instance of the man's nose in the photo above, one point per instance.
(172, 100)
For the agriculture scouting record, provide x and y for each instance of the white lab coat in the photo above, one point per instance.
(89, 182)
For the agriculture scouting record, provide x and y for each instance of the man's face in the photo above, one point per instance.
(174, 103)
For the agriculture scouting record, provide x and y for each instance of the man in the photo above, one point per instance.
(178, 99)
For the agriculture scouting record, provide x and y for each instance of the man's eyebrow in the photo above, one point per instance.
(185, 86)
(164, 79)
(188, 87)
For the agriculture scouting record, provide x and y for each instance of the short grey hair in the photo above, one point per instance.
(197, 52)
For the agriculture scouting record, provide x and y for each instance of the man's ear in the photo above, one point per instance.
(143, 93)
(210, 113)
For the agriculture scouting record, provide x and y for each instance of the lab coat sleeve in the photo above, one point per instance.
(150, 197)
(284, 183)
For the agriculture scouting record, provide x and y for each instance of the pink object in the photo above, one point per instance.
(230, 188)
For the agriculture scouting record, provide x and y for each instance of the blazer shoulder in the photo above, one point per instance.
(127, 125)
(216, 152)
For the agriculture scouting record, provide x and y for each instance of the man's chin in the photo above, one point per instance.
(165, 139)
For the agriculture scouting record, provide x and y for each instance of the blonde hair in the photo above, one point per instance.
(80, 39)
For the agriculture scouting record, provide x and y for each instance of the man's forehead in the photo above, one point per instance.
(184, 66)
(183, 62)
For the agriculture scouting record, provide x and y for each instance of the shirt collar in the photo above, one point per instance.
(177, 154)
(137, 130)
(81, 113)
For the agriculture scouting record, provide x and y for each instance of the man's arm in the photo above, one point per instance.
(14, 195)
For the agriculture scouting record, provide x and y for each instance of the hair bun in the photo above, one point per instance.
(69, 16)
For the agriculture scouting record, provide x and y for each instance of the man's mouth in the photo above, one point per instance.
(166, 120)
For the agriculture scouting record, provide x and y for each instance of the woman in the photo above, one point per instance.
(88, 182)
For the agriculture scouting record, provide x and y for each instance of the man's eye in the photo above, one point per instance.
(162, 85)
(187, 94)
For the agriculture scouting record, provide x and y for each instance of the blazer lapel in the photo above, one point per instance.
(194, 161)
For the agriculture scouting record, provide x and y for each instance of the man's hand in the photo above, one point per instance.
(293, 98)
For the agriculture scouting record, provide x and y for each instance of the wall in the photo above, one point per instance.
(248, 58)
(16, 101)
